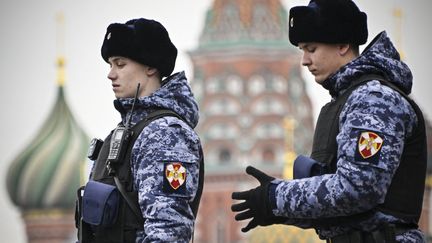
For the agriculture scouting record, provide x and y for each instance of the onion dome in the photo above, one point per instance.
(46, 174)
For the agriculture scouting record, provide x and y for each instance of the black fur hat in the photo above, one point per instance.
(143, 40)
(328, 21)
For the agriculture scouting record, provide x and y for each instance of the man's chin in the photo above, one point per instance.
(318, 80)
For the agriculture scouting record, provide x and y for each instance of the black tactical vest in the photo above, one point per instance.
(127, 223)
(405, 195)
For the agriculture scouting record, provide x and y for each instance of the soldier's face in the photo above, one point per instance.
(125, 74)
(321, 59)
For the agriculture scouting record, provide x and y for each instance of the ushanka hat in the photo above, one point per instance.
(328, 21)
(143, 40)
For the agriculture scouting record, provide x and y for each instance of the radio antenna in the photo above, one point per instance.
(128, 122)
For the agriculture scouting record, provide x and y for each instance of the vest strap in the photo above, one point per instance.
(130, 203)
(133, 205)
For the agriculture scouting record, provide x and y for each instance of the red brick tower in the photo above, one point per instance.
(247, 81)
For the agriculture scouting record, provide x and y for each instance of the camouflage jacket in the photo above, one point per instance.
(166, 145)
(357, 186)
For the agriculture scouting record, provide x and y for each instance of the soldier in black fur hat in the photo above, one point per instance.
(364, 181)
(147, 178)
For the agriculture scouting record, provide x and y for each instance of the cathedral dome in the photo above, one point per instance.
(46, 174)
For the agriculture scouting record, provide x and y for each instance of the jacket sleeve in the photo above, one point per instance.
(359, 183)
(165, 166)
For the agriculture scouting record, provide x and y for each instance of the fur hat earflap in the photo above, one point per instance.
(142, 40)
(328, 21)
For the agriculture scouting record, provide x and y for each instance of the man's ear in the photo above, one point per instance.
(151, 71)
(343, 49)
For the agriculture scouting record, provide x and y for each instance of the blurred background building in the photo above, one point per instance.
(253, 105)
(254, 111)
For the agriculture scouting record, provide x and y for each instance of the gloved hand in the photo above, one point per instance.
(256, 204)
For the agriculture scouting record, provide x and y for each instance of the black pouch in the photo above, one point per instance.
(100, 204)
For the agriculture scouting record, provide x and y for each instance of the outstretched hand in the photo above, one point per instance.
(256, 203)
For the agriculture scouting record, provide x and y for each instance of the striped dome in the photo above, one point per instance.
(47, 173)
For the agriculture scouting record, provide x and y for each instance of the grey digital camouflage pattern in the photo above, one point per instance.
(357, 186)
(169, 217)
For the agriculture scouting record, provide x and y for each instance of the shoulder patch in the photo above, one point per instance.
(174, 177)
(369, 146)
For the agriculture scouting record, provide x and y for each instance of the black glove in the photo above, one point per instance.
(256, 204)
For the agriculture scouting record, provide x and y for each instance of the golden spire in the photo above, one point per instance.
(289, 126)
(60, 49)
(398, 15)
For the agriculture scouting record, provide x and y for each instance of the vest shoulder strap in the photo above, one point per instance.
(137, 128)
(154, 116)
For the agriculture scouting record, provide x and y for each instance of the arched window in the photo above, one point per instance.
(280, 84)
(268, 105)
(222, 131)
(223, 106)
(234, 85)
(256, 84)
(214, 85)
(224, 156)
(269, 130)
(268, 155)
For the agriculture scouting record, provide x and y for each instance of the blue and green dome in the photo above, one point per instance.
(47, 173)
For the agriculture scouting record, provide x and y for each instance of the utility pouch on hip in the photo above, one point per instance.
(100, 204)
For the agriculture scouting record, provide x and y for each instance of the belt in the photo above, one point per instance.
(384, 235)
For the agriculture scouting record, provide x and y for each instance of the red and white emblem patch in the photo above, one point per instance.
(175, 174)
(369, 144)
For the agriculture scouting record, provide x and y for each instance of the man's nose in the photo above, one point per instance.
(305, 60)
(111, 74)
